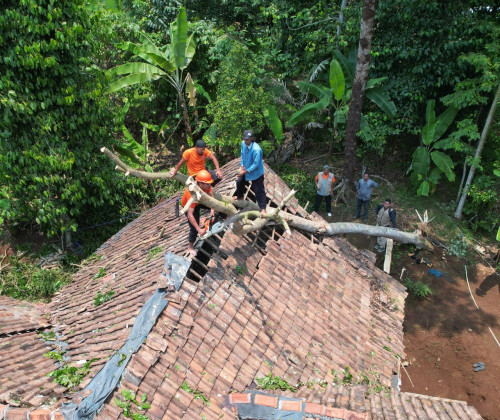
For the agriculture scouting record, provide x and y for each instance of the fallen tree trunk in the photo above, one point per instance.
(245, 215)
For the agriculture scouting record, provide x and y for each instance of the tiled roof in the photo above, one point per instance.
(341, 403)
(291, 305)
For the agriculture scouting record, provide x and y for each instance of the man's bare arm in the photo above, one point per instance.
(216, 163)
(173, 171)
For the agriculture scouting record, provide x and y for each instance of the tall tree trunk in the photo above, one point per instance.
(358, 89)
(479, 149)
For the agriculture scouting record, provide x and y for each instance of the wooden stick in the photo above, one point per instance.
(388, 256)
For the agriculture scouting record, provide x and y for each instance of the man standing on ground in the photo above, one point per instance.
(386, 216)
(364, 190)
(324, 189)
(252, 169)
(195, 158)
(205, 182)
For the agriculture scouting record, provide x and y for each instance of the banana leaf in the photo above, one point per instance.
(444, 163)
(374, 82)
(430, 115)
(428, 133)
(307, 110)
(144, 149)
(421, 161)
(347, 66)
(178, 40)
(316, 90)
(424, 189)
(136, 67)
(274, 123)
(149, 53)
(435, 175)
(130, 80)
(337, 81)
(190, 51)
(380, 98)
(366, 129)
(444, 121)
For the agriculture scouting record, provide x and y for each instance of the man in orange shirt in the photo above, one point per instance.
(195, 160)
(205, 182)
(324, 189)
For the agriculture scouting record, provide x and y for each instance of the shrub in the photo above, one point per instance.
(418, 289)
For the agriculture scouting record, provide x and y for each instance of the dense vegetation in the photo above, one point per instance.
(220, 69)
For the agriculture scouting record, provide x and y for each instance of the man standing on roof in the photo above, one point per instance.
(195, 158)
(364, 189)
(386, 216)
(252, 169)
(205, 182)
(324, 189)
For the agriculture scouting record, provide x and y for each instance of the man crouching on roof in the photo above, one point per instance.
(204, 181)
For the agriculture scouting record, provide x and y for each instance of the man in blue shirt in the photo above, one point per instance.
(364, 190)
(252, 169)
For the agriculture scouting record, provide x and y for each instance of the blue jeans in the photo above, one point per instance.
(365, 207)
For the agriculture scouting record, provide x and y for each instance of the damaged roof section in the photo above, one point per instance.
(301, 311)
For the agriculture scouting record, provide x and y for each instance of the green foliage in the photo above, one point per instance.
(101, 273)
(418, 289)
(333, 101)
(152, 253)
(70, 376)
(55, 355)
(370, 378)
(423, 176)
(482, 203)
(240, 97)
(26, 280)
(47, 335)
(103, 297)
(274, 382)
(54, 118)
(199, 395)
(458, 246)
(421, 59)
(130, 402)
(300, 181)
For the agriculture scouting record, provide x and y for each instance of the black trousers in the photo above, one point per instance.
(214, 177)
(328, 201)
(193, 233)
(257, 187)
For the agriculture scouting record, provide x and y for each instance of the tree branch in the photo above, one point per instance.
(249, 220)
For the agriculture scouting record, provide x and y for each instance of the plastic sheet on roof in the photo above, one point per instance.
(106, 380)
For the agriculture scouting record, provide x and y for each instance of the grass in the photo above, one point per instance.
(26, 280)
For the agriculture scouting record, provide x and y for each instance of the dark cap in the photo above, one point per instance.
(200, 143)
(247, 134)
(388, 200)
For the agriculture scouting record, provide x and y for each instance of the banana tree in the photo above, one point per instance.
(168, 62)
(333, 101)
(423, 175)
